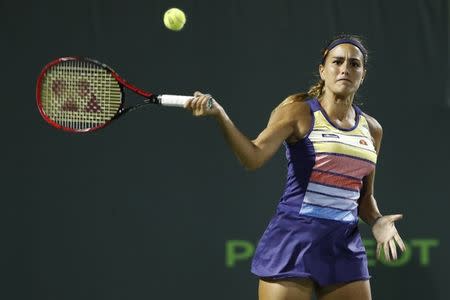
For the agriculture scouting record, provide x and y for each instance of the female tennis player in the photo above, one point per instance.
(312, 244)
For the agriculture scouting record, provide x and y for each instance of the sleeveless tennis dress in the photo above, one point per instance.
(314, 232)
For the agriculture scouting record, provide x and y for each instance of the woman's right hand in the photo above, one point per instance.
(199, 105)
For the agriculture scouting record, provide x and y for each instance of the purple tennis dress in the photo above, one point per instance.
(314, 232)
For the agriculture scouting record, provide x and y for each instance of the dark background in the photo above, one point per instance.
(144, 208)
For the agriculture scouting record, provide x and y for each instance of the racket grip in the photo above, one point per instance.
(173, 100)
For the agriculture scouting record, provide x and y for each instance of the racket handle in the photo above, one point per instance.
(173, 100)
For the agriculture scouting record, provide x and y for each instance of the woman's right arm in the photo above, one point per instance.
(251, 153)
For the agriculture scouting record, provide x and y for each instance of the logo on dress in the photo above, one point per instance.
(330, 135)
(363, 142)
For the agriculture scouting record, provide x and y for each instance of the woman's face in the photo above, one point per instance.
(344, 70)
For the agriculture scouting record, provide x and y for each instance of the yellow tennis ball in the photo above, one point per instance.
(174, 19)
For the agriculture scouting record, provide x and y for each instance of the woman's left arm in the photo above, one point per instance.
(383, 227)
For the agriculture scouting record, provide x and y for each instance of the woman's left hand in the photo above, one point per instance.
(387, 236)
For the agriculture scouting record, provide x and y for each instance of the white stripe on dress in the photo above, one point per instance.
(316, 136)
(333, 191)
(327, 213)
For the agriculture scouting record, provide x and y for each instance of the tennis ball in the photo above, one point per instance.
(174, 19)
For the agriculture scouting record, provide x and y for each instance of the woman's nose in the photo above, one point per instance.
(344, 68)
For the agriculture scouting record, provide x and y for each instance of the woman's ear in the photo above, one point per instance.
(362, 78)
(321, 68)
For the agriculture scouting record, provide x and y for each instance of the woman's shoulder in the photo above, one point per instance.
(374, 126)
(294, 106)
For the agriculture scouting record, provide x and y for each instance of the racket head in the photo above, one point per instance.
(78, 94)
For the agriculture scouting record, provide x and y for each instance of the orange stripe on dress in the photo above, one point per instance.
(335, 180)
(343, 165)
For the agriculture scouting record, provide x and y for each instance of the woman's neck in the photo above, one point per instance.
(337, 107)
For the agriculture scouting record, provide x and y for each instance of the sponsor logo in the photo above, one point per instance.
(418, 252)
(330, 135)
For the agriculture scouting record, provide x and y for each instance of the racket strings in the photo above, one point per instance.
(80, 94)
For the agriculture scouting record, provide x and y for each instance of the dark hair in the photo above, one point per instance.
(346, 39)
(316, 90)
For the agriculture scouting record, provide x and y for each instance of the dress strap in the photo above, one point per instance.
(313, 104)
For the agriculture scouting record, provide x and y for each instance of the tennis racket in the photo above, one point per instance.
(82, 95)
